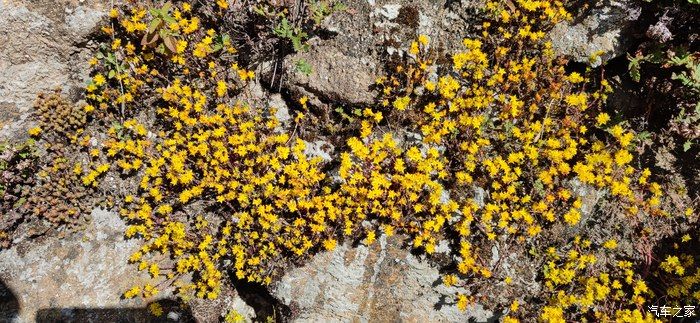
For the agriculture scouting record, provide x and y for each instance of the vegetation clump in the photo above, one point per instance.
(501, 155)
(41, 178)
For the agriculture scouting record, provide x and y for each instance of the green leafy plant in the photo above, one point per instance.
(322, 9)
(157, 30)
(690, 77)
(303, 67)
(294, 34)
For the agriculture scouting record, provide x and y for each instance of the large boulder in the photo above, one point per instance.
(81, 276)
(45, 45)
(598, 35)
(353, 46)
(380, 283)
(86, 269)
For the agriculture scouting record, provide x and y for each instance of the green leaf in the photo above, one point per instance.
(111, 74)
(687, 145)
(153, 26)
(304, 67)
(539, 187)
(169, 19)
(166, 7)
(644, 135)
(340, 6)
(111, 58)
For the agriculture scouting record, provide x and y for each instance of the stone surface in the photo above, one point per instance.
(44, 46)
(346, 62)
(85, 269)
(82, 275)
(335, 76)
(380, 283)
(600, 35)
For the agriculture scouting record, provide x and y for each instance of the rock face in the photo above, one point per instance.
(81, 276)
(341, 67)
(382, 283)
(82, 270)
(44, 46)
(598, 36)
(334, 76)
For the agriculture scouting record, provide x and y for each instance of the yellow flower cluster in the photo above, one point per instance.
(679, 270)
(579, 293)
(232, 156)
(394, 188)
(514, 123)
(217, 183)
(503, 147)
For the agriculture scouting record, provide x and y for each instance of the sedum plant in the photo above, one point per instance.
(487, 154)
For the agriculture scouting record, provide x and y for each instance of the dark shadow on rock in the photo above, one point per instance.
(173, 311)
(259, 298)
(9, 305)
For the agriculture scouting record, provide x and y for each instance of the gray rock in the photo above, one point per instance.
(603, 34)
(282, 111)
(334, 77)
(319, 148)
(81, 274)
(85, 269)
(390, 11)
(659, 31)
(590, 196)
(383, 283)
(43, 48)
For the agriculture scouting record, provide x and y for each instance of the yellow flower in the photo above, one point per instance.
(133, 292)
(579, 100)
(370, 238)
(401, 103)
(34, 131)
(575, 77)
(413, 50)
(155, 309)
(514, 306)
(622, 157)
(610, 244)
(462, 302)
(602, 119)
(221, 89)
(449, 280)
(222, 3)
(572, 217)
(154, 270)
(330, 244)
(423, 39)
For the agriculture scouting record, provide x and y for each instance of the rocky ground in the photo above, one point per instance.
(80, 275)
